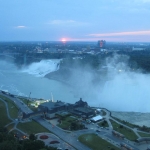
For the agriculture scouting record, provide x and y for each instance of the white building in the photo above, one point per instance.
(137, 49)
(96, 118)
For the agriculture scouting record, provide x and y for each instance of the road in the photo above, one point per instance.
(72, 138)
(67, 137)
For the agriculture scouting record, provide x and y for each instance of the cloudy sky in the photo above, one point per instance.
(75, 20)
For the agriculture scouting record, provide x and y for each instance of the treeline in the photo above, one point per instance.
(10, 141)
(137, 59)
(141, 61)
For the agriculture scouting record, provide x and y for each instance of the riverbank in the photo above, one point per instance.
(137, 118)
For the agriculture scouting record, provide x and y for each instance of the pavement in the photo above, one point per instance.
(70, 139)
(53, 137)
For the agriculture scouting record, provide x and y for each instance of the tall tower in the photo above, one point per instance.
(101, 43)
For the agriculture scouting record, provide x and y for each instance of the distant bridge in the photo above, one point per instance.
(12, 55)
(8, 55)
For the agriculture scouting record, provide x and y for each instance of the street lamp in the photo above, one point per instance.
(28, 98)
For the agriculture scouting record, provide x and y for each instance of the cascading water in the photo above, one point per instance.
(31, 79)
(40, 69)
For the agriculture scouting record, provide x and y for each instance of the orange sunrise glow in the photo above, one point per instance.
(63, 39)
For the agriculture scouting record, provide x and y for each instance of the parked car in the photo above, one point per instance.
(98, 131)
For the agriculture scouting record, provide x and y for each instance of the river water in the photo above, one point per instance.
(31, 79)
(124, 91)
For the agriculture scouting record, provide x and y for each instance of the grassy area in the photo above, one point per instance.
(13, 110)
(144, 134)
(31, 127)
(103, 124)
(3, 115)
(129, 134)
(66, 122)
(10, 126)
(143, 128)
(126, 123)
(96, 143)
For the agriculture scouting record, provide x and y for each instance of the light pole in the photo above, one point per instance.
(28, 99)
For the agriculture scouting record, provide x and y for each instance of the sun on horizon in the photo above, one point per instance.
(63, 39)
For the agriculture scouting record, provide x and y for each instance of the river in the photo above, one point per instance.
(125, 91)
(31, 79)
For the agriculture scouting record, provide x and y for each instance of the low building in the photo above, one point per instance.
(32, 115)
(96, 118)
(84, 112)
(98, 110)
(80, 108)
(51, 108)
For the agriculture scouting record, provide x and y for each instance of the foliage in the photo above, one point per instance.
(9, 142)
(128, 133)
(32, 137)
(76, 126)
(3, 115)
(70, 123)
(144, 134)
(103, 123)
(31, 127)
(143, 128)
(126, 123)
(13, 110)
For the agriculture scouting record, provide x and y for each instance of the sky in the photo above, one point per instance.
(75, 20)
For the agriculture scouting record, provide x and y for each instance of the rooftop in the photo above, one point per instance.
(84, 109)
(51, 105)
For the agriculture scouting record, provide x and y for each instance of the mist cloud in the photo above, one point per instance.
(120, 88)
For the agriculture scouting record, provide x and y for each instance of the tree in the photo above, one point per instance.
(33, 145)
(32, 137)
(74, 126)
(9, 145)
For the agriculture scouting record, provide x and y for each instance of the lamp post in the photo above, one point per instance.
(28, 98)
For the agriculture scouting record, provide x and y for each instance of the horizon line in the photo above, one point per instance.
(73, 41)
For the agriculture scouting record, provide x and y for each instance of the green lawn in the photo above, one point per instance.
(31, 127)
(126, 123)
(13, 110)
(96, 143)
(3, 115)
(144, 134)
(10, 126)
(129, 134)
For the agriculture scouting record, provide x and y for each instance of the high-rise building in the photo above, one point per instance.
(101, 43)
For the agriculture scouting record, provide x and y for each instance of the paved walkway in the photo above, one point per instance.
(71, 140)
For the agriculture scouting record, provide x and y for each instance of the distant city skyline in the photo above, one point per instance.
(76, 20)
